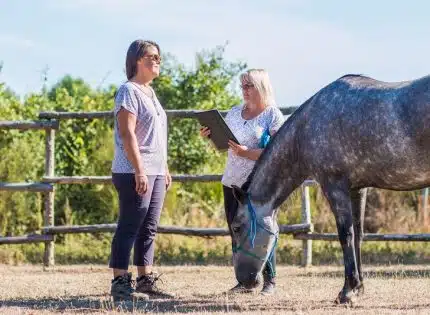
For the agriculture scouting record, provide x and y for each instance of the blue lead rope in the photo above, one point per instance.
(253, 232)
(264, 140)
(253, 228)
(269, 259)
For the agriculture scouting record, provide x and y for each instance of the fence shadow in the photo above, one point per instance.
(94, 304)
(201, 304)
(418, 273)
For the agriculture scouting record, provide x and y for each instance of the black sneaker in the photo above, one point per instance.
(122, 289)
(269, 287)
(147, 284)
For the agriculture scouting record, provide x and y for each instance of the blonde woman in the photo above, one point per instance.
(250, 122)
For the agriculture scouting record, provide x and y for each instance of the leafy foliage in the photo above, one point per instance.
(207, 86)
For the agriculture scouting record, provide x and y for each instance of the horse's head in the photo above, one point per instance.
(255, 233)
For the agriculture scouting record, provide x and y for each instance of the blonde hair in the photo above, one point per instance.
(260, 79)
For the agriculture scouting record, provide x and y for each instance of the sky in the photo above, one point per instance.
(304, 44)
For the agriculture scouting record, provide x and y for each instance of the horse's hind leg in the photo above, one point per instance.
(338, 195)
(358, 204)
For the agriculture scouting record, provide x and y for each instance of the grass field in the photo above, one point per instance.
(201, 290)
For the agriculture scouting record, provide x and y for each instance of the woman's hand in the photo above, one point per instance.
(244, 151)
(141, 183)
(168, 179)
(237, 149)
(205, 132)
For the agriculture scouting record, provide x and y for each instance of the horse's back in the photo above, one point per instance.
(375, 131)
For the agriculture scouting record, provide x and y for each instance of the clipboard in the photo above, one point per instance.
(220, 132)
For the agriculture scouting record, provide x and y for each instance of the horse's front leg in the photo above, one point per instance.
(338, 195)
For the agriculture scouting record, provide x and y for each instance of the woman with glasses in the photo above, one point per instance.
(139, 172)
(252, 123)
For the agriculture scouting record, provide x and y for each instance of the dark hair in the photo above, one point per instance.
(135, 52)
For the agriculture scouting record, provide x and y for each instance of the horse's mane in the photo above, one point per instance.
(291, 120)
(352, 75)
(266, 152)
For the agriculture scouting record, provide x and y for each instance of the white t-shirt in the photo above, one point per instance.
(248, 133)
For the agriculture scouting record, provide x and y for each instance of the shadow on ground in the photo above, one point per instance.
(90, 304)
(421, 273)
(201, 303)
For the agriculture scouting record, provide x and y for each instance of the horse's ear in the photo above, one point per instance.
(239, 194)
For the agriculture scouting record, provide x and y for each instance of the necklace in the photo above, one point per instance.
(152, 96)
(144, 92)
(249, 116)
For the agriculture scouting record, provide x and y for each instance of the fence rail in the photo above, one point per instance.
(302, 231)
(25, 125)
(108, 179)
(31, 238)
(189, 231)
(367, 237)
(172, 113)
(35, 187)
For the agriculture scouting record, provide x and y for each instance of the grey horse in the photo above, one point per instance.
(354, 133)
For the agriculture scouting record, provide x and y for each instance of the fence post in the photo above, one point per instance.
(48, 217)
(424, 209)
(306, 219)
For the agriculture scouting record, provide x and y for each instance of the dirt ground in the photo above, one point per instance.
(201, 290)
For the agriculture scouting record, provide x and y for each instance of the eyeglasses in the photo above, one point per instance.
(247, 86)
(156, 58)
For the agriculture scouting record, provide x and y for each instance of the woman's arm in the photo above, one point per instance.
(126, 127)
(168, 178)
(252, 154)
(243, 151)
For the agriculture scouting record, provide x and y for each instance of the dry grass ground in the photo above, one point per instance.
(84, 289)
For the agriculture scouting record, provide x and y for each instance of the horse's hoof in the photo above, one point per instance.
(346, 299)
(360, 289)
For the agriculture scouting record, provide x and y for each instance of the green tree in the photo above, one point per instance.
(21, 160)
(208, 86)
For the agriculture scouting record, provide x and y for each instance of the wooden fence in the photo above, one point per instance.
(50, 123)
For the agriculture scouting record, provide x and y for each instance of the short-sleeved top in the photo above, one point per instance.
(248, 133)
(151, 130)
